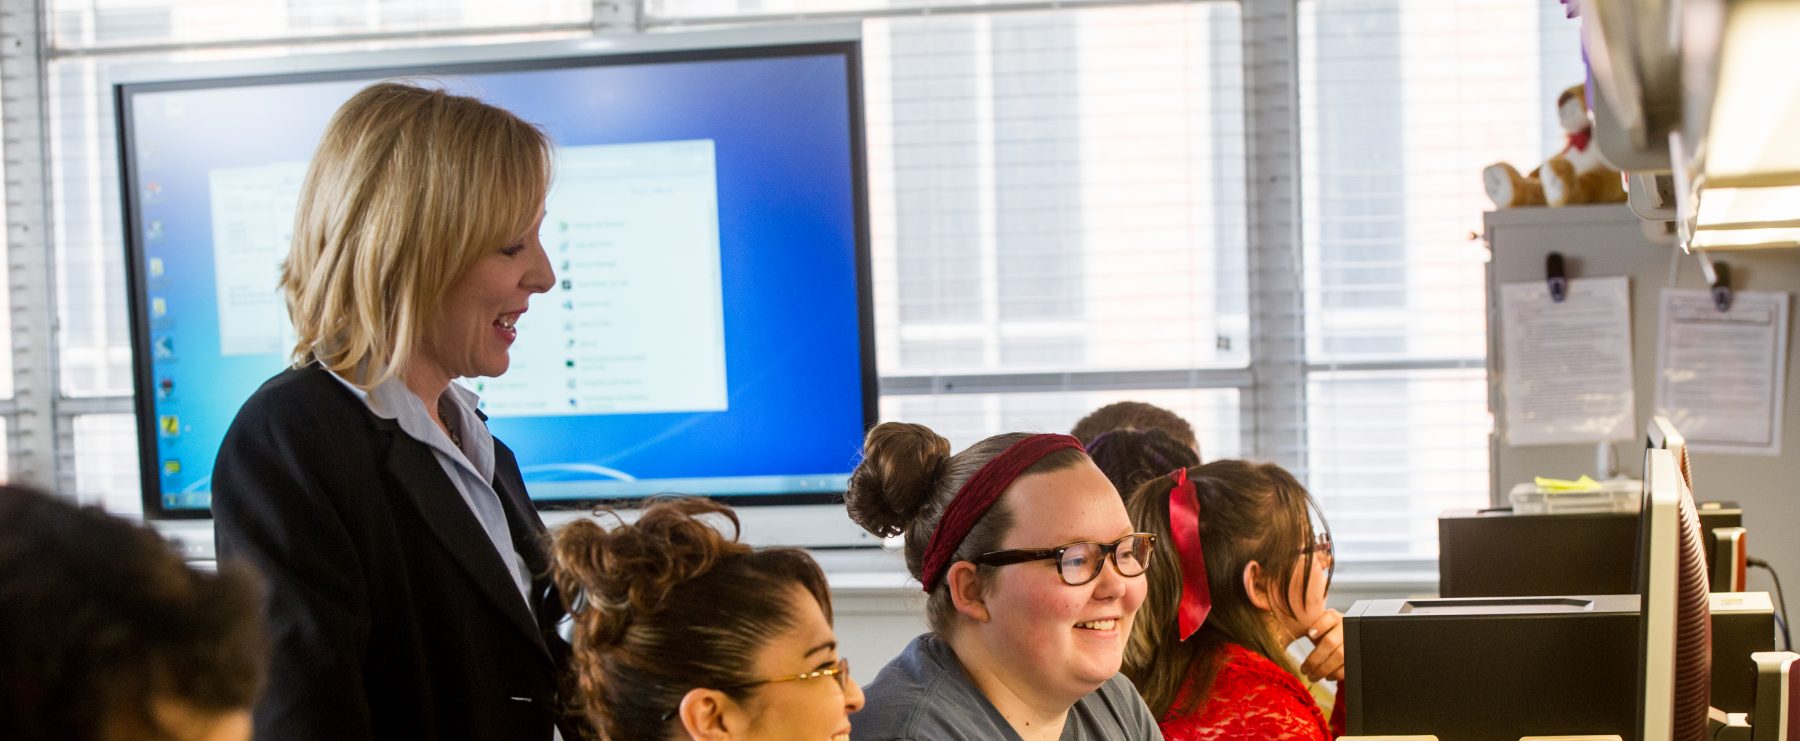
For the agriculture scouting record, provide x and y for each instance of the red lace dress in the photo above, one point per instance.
(1253, 699)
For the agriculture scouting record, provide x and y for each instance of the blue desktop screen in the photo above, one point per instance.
(707, 332)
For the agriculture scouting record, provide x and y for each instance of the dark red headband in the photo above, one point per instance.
(978, 494)
(1184, 524)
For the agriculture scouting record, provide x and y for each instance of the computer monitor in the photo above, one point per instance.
(1675, 651)
(1777, 713)
(1502, 554)
(711, 329)
(1499, 553)
(1492, 669)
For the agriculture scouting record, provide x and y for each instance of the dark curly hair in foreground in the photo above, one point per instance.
(667, 604)
(107, 634)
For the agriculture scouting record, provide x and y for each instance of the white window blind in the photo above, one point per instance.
(1057, 191)
(1402, 103)
(967, 418)
(97, 455)
(210, 25)
(1060, 213)
(6, 312)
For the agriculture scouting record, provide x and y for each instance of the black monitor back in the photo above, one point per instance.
(1492, 669)
(1501, 554)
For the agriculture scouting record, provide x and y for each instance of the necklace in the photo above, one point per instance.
(449, 421)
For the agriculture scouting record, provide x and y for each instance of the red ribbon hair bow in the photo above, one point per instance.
(1184, 524)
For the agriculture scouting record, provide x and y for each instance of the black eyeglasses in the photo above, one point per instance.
(1080, 563)
(839, 671)
(1321, 545)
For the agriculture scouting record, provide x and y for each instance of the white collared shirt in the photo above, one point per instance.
(470, 467)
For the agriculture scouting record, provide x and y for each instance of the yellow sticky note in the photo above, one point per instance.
(1581, 484)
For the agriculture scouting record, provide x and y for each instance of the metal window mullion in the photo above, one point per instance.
(618, 16)
(1375, 366)
(1275, 427)
(447, 35)
(1013, 383)
(32, 440)
(1028, 6)
(78, 406)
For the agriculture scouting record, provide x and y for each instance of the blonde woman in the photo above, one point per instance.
(407, 596)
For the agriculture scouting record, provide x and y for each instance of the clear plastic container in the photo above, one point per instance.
(1614, 495)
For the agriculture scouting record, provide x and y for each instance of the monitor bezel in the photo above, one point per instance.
(834, 39)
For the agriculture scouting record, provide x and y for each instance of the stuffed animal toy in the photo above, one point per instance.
(1576, 174)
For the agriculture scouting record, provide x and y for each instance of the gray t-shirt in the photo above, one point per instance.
(924, 695)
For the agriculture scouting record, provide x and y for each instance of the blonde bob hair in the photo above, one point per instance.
(410, 186)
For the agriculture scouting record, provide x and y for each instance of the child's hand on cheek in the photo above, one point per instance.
(1327, 658)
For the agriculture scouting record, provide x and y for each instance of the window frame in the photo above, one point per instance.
(1272, 387)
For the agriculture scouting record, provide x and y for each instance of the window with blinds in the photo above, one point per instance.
(1060, 205)
(6, 314)
(86, 42)
(1402, 103)
(1057, 191)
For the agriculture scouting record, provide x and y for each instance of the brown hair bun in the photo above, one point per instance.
(902, 465)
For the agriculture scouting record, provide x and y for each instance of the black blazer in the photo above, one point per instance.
(390, 615)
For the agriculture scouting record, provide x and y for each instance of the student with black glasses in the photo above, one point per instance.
(1249, 562)
(1033, 575)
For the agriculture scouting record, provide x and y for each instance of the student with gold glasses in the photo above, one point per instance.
(681, 632)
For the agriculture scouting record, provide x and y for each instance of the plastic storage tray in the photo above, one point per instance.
(1617, 495)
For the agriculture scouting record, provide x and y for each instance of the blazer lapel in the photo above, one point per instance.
(450, 519)
(529, 536)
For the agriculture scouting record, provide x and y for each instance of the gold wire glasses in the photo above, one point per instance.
(839, 671)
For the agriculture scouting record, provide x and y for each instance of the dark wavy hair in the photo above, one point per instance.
(103, 621)
(1134, 415)
(1130, 457)
(667, 604)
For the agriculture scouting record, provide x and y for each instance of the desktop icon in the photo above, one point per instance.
(169, 424)
(156, 267)
(165, 388)
(152, 191)
(154, 231)
(158, 306)
(163, 348)
(172, 467)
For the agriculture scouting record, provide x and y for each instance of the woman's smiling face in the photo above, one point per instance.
(1067, 639)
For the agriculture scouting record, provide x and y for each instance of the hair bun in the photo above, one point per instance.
(901, 467)
(612, 578)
